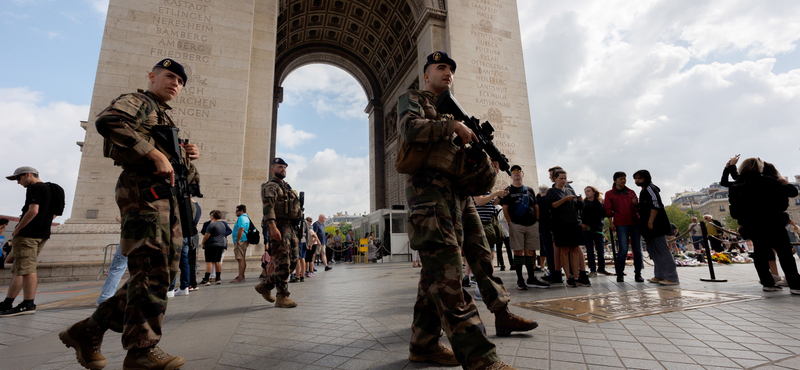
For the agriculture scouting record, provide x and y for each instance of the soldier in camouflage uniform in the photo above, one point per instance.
(151, 235)
(441, 223)
(282, 213)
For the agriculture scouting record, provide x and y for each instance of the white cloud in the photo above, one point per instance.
(330, 90)
(676, 87)
(331, 182)
(39, 135)
(290, 138)
(99, 6)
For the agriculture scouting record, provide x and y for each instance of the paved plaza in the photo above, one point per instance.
(359, 316)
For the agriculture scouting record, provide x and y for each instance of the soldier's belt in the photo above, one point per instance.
(158, 192)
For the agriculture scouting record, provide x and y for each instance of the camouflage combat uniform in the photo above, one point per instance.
(151, 235)
(277, 197)
(441, 223)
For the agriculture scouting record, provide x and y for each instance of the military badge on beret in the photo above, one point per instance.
(437, 56)
(166, 63)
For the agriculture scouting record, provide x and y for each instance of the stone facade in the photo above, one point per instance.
(237, 54)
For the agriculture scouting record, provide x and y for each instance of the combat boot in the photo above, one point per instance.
(505, 322)
(152, 358)
(440, 355)
(87, 342)
(265, 290)
(499, 365)
(284, 301)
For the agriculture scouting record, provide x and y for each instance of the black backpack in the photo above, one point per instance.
(253, 236)
(741, 198)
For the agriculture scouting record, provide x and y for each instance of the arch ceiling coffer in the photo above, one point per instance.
(377, 35)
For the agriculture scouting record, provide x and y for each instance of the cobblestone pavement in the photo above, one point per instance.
(358, 317)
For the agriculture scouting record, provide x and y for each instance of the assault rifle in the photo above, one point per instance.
(167, 138)
(447, 104)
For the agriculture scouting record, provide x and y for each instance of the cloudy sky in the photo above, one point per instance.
(676, 87)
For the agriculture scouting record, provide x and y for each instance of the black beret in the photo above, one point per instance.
(279, 161)
(439, 57)
(173, 66)
(516, 166)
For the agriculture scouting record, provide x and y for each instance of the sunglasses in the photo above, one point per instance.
(516, 171)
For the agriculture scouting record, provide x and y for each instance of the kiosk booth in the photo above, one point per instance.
(389, 227)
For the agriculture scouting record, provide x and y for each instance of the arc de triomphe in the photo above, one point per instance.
(239, 52)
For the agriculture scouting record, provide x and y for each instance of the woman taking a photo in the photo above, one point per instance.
(215, 241)
(567, 231)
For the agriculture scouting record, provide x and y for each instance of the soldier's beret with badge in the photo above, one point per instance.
(174, 67)
(280, 161)
(439, 57)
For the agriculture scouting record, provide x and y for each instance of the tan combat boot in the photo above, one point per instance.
(441, 355)
(265, 291)
(87, 342)
(499, 365)
(152, 358)
(284, 301)
(505, 322)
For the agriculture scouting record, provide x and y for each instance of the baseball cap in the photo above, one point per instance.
(516, 166)
(21, 171)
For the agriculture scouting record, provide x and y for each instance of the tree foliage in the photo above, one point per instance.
(731, 222)
(678, 217)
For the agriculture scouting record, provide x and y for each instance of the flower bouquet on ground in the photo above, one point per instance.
(721, 258)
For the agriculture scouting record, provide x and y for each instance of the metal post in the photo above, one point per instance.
(708, 257)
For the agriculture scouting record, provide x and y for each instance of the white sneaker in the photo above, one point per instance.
(170, 293)
(794, 291)
(772, 289)
(182, 292)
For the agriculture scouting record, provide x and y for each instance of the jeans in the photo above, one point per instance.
(623, 232)
(698, 242)
(546, 243)
(663, 261)
(119, 264)
(184, 266)
(594, 242)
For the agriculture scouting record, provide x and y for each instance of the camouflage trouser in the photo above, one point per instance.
(284, 255)
(151, 239)
(439, 222)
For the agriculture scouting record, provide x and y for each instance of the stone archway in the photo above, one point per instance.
(237, 55)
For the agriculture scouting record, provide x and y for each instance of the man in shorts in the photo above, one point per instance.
(319, 229)
(43, 202)
(240, 242)
(522, 213)
(312, 248)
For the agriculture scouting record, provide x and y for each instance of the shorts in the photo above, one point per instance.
(524, 237)
(214, 254)
(26, 251)
(320, 250)
(302, 251)
(310, 255)
(240, 249)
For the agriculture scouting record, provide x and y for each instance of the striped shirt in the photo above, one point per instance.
(485, 211)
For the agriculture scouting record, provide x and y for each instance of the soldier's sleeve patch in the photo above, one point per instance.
(407, 104)
(269, 190)
(129, 104)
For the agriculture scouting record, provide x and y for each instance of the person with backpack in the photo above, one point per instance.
(240, 242)
(758, 203)
(522, 212)
(43, 202)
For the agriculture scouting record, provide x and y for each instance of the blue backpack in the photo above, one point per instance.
(523, 203)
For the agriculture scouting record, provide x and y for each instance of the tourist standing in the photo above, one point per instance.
(215, 239)
(592, 217)
(620, 205)
(319, 229)
(567, 232)
(522, 212)
(43, 202)
(654, 225)
(240, 243)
